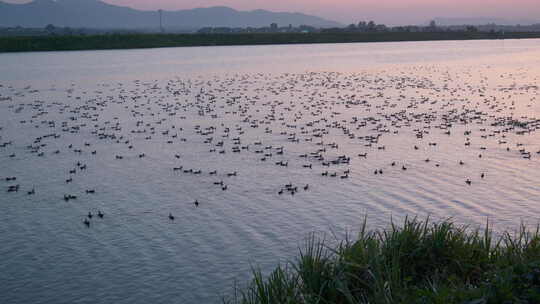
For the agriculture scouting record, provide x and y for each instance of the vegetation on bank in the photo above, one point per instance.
(131, 41)
(418, 262)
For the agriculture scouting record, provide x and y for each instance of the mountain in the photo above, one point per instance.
(101, 15)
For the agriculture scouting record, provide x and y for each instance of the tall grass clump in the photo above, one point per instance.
(419, 261)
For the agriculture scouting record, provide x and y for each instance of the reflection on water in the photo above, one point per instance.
(272, 142)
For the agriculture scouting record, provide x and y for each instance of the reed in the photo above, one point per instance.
(419, 261)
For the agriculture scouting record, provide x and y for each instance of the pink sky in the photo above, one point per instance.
(346, 11)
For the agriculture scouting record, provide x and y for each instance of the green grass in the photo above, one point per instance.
(416, 262)
(132, 41)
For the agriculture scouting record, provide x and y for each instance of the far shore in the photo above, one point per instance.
(136, 41)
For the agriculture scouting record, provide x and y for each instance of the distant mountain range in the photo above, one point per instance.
(101, 15)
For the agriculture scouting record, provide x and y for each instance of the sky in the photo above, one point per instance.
(391, 12)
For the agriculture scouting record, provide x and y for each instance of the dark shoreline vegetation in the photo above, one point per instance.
(133, 41)
(417, 262)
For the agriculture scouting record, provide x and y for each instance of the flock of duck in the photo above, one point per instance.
(322, 124)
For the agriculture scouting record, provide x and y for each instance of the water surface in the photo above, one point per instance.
(425, 107)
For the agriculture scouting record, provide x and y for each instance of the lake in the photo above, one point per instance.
(250, 149)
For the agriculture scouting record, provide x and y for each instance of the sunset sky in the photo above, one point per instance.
(347, 11)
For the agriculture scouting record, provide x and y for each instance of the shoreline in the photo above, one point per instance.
(145, 41)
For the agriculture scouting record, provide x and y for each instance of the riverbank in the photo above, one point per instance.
(134, 41)
(418, 262)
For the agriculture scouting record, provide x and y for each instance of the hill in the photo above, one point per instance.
(100, 15)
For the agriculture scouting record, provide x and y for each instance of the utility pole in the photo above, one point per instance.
(160, 20)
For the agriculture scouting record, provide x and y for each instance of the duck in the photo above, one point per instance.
(14, 188)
